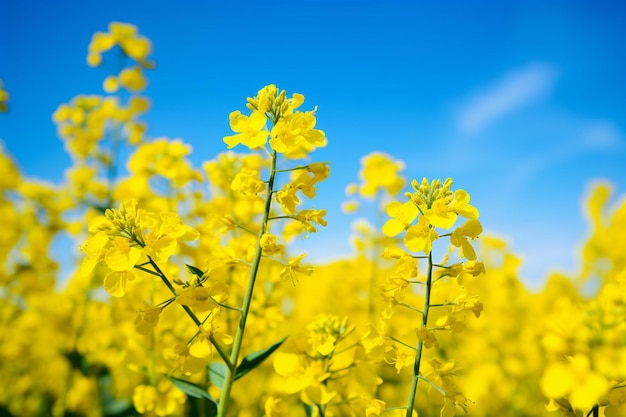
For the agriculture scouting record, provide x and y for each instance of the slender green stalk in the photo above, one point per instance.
(594, 411)
(420, 343)
(173, 291)
(395, 339)
(112, 165)
(245, 307)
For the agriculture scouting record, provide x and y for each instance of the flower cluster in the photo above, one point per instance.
(292, 132)
(124, 237)
(132, 45)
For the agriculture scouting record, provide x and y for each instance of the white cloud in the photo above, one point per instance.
(602, 135)
(515, 90)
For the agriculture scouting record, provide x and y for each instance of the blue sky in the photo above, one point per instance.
(523, 104)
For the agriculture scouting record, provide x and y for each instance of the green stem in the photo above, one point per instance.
(189, 312)
(299, 167)
(220, 351)
(112, 166)
(402, 343)
(594, 411)
(245, 307)
(410, 307)
(420, 345)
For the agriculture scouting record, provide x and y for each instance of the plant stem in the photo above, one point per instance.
(245, 307)
(169, 285)
(420, 344)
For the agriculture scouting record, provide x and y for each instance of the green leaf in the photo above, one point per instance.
(195, 271)
(217, 374)
(199, 407)
(191, 389)
(308, 409)
(254, 359)
(79, 362)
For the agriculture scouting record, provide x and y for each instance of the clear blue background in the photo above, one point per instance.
(522, 103)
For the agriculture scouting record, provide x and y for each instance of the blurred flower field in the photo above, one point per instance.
(188, 298)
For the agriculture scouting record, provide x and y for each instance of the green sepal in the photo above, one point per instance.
(254, 359)
(195, 271)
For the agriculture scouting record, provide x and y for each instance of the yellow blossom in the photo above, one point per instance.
(420, 237)
(248, 182)
(380, 171)
(470, 229)
(115, 282)
(427, 336)
(269, 244)
(402, 215)
(250, 130)
(293, 269)
(132, 79)
(147, 319)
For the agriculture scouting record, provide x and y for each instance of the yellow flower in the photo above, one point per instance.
(470, 269)
(380, 171)
(187, 363)
(250, 130)
(264, 100)
(294, 135)
(100, 42)
(158, 246)
(308, 217)
(132, 79)
(375, 336)
(576, 380)
(269, 244)
(115, 282)
(470, 229)
(274, 407)
(325, 332)
(299, 373)
(173, 226)
(110, 84)
(162, 400)
(427, 336)
(248, 182)
(287, 198)
(202, 346)
(293, 269)
(460, 204)
(420, 237)
(126, 36)
(399, 356)
(123, 255)
(440, 214)
(375, 408)
(464, 302)
(402, 215)
(94, 247)
(147, 319)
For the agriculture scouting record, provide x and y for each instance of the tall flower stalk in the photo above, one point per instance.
(430, 209)
(292, 134)
(247, 299)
